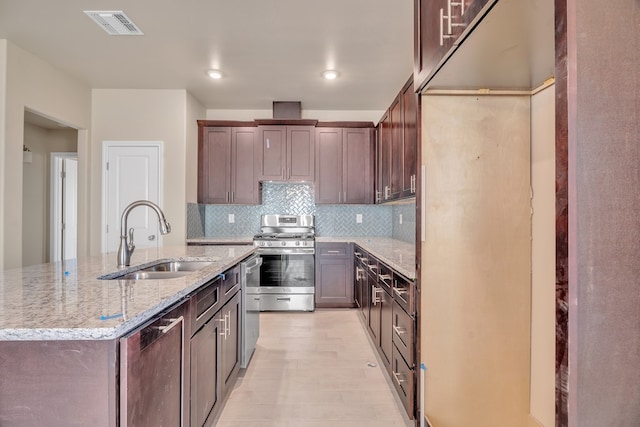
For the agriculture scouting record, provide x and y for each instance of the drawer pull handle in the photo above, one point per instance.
(400, 292)
(396, 376)
(333, 252)
(399, 330)
(283, 299)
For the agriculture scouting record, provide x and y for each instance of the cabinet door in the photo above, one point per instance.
(431, 42)
(244, 182)
(374, 310)
(334, 285)
(230, 318)
(396, 173)
(214, 164)
(357, 166)
(386, 326)
(300, 153)
(271, 153)
(205, 381)
(409, 139)
(328, 188)
(384, 157)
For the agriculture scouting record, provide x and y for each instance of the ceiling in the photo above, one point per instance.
(268, 51)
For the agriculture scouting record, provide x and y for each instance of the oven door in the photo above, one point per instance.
(287, 272)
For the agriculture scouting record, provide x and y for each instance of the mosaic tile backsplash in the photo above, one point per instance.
(397, 221)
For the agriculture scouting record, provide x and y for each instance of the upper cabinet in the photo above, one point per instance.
(286, 153)
(440, 26)
(344, 165)
(226, 171)
(397, 147)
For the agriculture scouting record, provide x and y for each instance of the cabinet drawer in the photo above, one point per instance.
(403, 333)
(404, 293)
(403, 380)
(205, 303)
(333, 250)
(284, 302)
(385, 277)
(231, 282)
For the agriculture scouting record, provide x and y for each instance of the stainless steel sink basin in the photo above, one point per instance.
(178, 266)
(162, 270)
(153, 275)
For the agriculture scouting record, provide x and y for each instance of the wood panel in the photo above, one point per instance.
(475, 283)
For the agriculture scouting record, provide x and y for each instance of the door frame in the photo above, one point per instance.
(105, 185)
(56, 203)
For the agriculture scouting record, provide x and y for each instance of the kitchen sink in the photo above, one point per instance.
(178, 266)
(153, 275)
(162, 270)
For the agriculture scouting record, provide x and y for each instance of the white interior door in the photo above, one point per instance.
(64, 206)
(131, 172)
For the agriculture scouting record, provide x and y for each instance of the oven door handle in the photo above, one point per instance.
(285, 251)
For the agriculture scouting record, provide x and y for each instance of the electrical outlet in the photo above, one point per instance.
(232, 218)
(359, 218)
(400, 218)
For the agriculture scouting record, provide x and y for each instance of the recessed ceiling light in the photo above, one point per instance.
(330, 74)
(215, 74)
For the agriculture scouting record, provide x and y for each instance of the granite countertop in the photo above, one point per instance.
(397, 254)
(242, 240)
(66, 300)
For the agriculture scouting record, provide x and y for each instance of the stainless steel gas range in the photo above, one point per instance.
(287, 276)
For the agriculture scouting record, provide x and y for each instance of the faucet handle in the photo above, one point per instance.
(130, 243)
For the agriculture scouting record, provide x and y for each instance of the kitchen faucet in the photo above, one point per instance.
(126, 244)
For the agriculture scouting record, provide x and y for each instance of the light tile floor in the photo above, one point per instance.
(311, 369)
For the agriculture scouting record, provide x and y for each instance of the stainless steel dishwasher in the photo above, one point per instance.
(250, 276)
(152, 372)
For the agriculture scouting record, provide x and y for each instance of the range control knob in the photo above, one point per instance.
(268, 243)
(284, 243)
(298, 243)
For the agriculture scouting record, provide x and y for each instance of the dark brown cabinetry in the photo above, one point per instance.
(439, 26)
(226, 172)
(214, 346)
(334, 287)
(388, 308)
(286, 153)
(344, 167)
(398, 146)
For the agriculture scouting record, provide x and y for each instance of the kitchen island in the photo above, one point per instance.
(61, 330)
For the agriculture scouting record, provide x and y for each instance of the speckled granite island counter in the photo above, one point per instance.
(67, 301)
(79, 351)
(399, 255)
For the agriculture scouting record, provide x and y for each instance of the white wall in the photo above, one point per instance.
(146, 115)
(543, 258)
(195, 111)
(322, 115)
(34, 84)
(3, 97)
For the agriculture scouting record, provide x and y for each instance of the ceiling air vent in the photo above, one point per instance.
(114, 22)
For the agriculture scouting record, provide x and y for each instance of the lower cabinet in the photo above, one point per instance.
(334, 284)
(386, 302)
(215, 355)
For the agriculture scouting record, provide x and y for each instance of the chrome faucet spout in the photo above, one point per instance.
(126, 242)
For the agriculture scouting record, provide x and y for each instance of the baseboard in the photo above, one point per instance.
(533, 422)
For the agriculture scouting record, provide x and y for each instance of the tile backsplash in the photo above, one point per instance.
(298, 198)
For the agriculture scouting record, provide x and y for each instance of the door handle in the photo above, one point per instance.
(152, 237)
